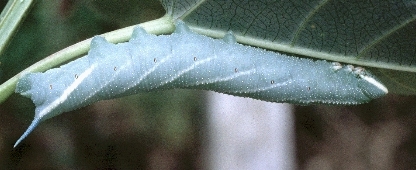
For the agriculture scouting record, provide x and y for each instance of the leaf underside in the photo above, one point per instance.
(377, 33)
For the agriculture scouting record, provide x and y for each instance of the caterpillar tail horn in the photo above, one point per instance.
(32, 126)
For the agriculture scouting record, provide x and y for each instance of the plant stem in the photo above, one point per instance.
(10, 18)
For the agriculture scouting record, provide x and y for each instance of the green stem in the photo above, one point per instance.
(10, 18)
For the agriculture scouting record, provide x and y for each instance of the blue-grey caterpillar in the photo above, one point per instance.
(188, 60)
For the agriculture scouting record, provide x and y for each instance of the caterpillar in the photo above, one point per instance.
(188, 60)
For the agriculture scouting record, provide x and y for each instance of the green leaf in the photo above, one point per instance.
(377, 34)
(10, 18)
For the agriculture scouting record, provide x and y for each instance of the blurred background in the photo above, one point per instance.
(167, 130)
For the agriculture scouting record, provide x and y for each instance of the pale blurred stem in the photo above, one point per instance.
(245, 133)
(162, 25)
